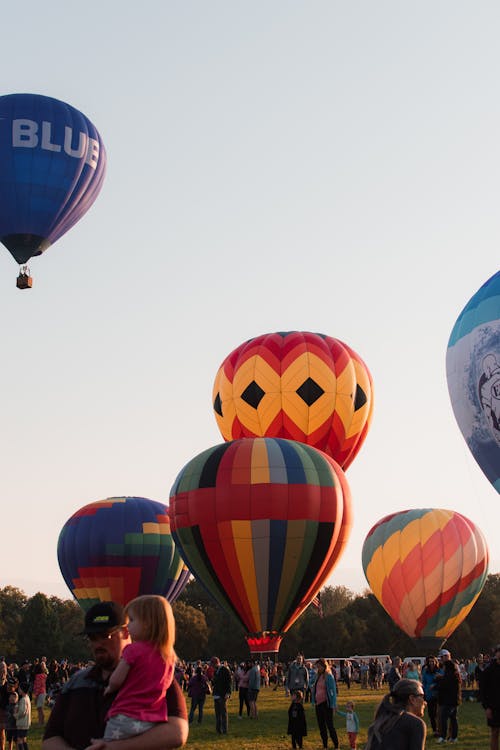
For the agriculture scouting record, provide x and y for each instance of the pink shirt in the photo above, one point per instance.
(320, 696)
(142, 695)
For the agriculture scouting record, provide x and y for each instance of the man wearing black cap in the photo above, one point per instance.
(80, 709)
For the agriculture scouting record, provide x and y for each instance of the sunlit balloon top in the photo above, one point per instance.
(426, 567)
(297, 385)
(261, 523)
(473, 372)
(119, 548)
(52, 166)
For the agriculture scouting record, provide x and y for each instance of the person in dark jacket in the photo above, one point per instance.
(394, 674)
(429, 672)
(297, 725)
(490, 697)
(448, 688)
(198, 688)
(221, 689)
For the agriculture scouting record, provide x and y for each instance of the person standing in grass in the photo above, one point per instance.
(198, 689)
(449, 694)
(221, 689)
(351, 724)
(490, 697)
(324, 700)
(297, 725)
(253, 688)
(23, 718)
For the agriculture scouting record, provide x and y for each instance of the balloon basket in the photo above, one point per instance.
(24, 280)
(265, 643)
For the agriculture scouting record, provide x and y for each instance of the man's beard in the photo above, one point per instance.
(104, 659)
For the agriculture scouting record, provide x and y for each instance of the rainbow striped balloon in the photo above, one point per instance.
(261, 523)
(426, 567)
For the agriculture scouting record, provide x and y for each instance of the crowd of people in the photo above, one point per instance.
(132, 694)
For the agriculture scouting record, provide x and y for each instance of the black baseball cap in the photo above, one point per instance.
(104, 616)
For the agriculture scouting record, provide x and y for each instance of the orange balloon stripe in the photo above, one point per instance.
(464, 582)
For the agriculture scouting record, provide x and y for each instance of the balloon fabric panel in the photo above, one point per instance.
(257, 522)
(473, 374)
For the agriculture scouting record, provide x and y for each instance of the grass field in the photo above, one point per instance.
(269, 731)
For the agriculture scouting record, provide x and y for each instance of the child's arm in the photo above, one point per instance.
(117, 677)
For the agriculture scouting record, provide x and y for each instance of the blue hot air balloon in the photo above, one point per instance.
(118, 549)
(52, 166)
(473, 372)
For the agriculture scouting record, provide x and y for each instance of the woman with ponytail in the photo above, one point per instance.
(398, 723)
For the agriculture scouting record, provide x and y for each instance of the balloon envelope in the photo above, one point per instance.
(52, 166)
(117, 549)
(427, 568)
(297, 385)
(261, 524)
(473, 373)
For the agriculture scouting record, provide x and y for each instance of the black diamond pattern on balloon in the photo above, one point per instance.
(309, 391)
(218, 405)
(360, 398)
(253, 394)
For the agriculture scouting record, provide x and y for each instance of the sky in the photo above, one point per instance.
(272, 165)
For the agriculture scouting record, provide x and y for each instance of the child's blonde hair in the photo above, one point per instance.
(157, 618)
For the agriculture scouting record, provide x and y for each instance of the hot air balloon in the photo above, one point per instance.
(261, 524)
(297, 385)
(52, 168)
(473, 372)
(426, 567)
(117, 549)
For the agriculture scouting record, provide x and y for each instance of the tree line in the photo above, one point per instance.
(350, 624)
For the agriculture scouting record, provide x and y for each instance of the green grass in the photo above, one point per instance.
(269, 731)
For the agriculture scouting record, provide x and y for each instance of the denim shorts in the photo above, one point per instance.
(120, 727)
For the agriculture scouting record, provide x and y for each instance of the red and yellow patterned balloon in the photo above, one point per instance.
(298, 385)
(426, 567)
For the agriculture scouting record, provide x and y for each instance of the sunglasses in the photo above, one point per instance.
(94, 637)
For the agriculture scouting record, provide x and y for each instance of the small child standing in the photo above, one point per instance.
(23, 718)
(351, 724)
(297, 725)
(145, 670)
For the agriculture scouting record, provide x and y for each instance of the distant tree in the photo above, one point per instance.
(70, 618)
(191, 631)
(225, 634)
(12, 604)
(40, 630)
(334, 599)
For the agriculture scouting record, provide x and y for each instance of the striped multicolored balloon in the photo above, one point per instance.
(426, 567)
(297, 385)
(261, 523)
(119, 548)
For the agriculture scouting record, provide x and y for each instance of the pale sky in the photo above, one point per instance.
(272, 165)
